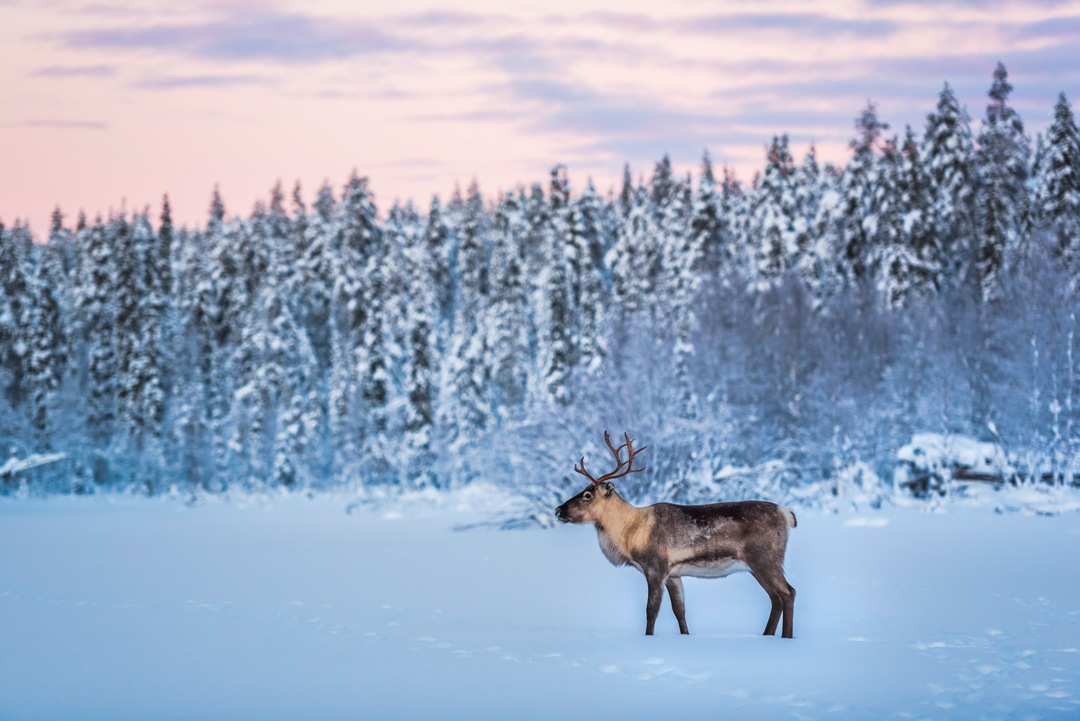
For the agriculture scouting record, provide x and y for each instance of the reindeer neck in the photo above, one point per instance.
(622, 530)
(619, 516)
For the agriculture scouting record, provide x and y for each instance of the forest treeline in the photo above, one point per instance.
(807, 323)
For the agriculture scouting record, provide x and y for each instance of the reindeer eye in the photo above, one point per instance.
(586, 496)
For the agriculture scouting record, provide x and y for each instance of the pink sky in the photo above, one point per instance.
(113, 104)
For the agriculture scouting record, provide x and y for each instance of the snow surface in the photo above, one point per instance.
(293, 608)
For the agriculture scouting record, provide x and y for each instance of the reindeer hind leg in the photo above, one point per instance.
(782, 598)
(678, 604)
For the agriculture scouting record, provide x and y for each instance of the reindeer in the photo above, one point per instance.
(666, 541)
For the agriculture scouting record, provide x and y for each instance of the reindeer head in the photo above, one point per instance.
(588, 506)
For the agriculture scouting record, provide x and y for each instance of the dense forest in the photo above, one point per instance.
(783, 336)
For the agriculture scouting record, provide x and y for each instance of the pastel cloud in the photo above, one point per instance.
(67, 71)
(62, 124)
(254, 34)
(179, 82)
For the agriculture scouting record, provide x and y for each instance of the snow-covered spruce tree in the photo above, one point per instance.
(634, 258)
(534, 248)
(383, 354)
(420, 272)
(916, 188)
(1001, 202)
(16, 312)
(853, 215)
(556, 333)
(663, 186)
(807, 261)
(950, 158)
(272, 229)
(464, 409)
(354, 243)
(237, 265)
(1057, 187)
(735, 216)
(683, 252)
(906, 257)
(96, 287)
(589, 230)
(166, 246)
(707, 221)
(438, 249)
(893, 261)
(196, 408)
(509, 312)
(319, 229)
(47, 363)
(949, 153)
(772, 216)
(274, 368)
(141, 304)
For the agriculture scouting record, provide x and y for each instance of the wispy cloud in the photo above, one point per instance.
(816, 25)
(61, 124)
(180, 82)
(973, 4)
(254, 34)
(77, 71)
(601, 124)
(1063, 28)
(447, 19)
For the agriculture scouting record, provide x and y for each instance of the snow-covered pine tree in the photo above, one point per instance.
(237, 267)
(464, 409)
(166, 260)
(358, 219)
(355, 242)
(95, 296)
(892, 262)
(855, 218)
(383, 354)
(1002, 158)
(16, 312)
(511, 354)
(634, 258)
(274, 368)
(196, 408)
(316, 266)
(48, 355)
(682, 266)
(588, 228)
(734, 215)
(625, 201)
(556, 350)
(420, 272)
(772, 217)
(438, 248)
(706, 222)
(141, 304)
(909, 260)
(1057, 186)
(807, 261)
(949, 153)
(662, 186)
(273, 230)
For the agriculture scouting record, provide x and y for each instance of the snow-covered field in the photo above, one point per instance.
(291, 608)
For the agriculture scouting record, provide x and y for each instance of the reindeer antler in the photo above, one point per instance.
(620, 470)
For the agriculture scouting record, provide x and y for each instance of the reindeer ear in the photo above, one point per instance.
(608, 488)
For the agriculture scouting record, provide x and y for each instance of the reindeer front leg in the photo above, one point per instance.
(656, 596)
